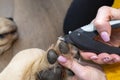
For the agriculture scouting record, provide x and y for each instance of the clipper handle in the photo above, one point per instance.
(84, 40)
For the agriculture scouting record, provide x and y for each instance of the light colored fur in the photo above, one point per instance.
(27, 63)
(6, 26)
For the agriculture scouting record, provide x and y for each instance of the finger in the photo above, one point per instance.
(78, 69)
(103, 58)
(88, 55)
(101, 22)
(116, 58)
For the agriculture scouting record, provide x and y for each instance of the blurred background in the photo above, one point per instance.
(39, 23)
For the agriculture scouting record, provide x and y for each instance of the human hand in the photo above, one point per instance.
(101, 22)
(81, 72)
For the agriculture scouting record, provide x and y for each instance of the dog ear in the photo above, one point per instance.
(10, 18)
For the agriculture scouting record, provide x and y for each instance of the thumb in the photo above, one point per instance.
(101, 23)
(71, 64)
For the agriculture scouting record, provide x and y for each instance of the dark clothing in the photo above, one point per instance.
(82, 12)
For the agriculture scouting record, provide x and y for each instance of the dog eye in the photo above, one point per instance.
(2, 36)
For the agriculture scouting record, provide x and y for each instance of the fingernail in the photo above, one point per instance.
(93, 57)
(106, 59)
(105, 36)
(62, 59)
(116, 60)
